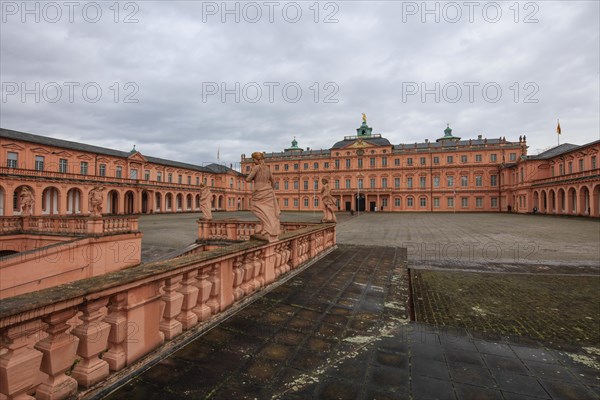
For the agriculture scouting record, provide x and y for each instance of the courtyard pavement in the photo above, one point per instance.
(340, 330)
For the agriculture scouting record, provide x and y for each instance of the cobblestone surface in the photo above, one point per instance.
(339, 330)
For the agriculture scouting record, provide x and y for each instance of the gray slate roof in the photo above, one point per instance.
(66, 144)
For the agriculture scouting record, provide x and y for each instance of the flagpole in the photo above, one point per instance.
(558, 131)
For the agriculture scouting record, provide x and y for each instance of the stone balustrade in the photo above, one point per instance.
(231, 229)
(68, 225)
(59, 342)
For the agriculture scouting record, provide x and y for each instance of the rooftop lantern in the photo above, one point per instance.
(448, 135)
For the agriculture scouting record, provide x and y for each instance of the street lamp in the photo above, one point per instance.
(358, 178)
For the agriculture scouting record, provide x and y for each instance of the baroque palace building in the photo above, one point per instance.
(368, 173)
(61, 173)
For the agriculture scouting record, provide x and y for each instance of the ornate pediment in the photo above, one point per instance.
(137, 156)
(84, 157)
(359, 144)
(13, 146)
(103, 159)
(40, 150)
(64, 153)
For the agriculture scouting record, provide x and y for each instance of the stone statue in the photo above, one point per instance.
(96, 200)
(364, 118)
(205, 202)
(264, 203)
(26, 201)
(327, 202)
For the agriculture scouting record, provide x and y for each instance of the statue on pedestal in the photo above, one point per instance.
(264, 203)
(96, 200)
(205, 202)
(26, 201)
(327, 202)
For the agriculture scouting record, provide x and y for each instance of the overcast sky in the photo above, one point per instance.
(181, 80)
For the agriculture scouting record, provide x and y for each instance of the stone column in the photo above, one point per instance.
(116, 356)
(190, 293)
(60, 350)
(173, 302)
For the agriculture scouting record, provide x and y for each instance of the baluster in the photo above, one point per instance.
(173, 302)
(93, 340)
(190, 292)
(116, 356)
(248, 267)
(238, 278)
(202, 310)
(215, 282)
(60, 350)
(20, 365)
(259, 276)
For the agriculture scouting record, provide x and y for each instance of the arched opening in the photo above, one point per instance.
(197, 202)
(544, 205)
(17, 199)
(572, 201)
(562, 206)
(145, 209)
(74, 197)
(213, 203)
(179, 200)
(157, 202)
(536, 200)
(220, 205)
(584, 201)
(112, 202)
(169, 202)
(552, 199)
(188, 202)
(595, 201)
(129, 202)
(50, 197)
(2, 193)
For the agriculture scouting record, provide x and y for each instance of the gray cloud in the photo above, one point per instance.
(368, 57)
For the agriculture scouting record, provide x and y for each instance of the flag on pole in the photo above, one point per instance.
(218, 153)
(558, 128)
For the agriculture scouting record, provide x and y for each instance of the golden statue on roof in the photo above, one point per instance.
(364, 116)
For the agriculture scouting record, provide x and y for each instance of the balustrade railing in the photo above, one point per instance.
(238, 230)
(126, 315)
(68, 225)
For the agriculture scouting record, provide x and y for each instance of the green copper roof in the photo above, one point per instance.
(448, 134)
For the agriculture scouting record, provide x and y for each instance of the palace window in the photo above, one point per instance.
(13, 160)
(384, 203)
(570, 167)
(384, 183)
(494, 202)
(305, 165)
(423, 201)
(306, 202)
(436, 181)
(449, 159)
(316, 184)
(170, 178)
(397, 162)
(348, 163)
(179, 178)
(409, 161)
(560, 169)
(316, 202)
(336, 184)
(63, 165)
(198, 182)
(594, 162)
(316, 165)
(360, 162)
(296, 185)
(409, 182)
(396, 182)
(360, 183)
(147, 175)
(296, 203)
(119, 172)
(409, 201)
(348, 184)
(581, 165)
(450, 201)
(305, 185)
(522, 174)
(39, 163)
(464, 202)
(276, 185)
(479, 180)
(326, 165)
(384, 161)
(286, 202)
(479, 202)
(436, 160)
(133, 174)
(337, 164)
(513, 157)
(84, 168)
(463, 159)
(493, 180)
(296, 167)
(464, 181)
(372, 183)
(158, 176)
(286, 167)
(436, 202)
(450, 181)
(102, 170)
(230, 183)
(423, 161)
(477, 157)
(372, 161)
(397, 202)
(493, 157)
(189, 180)
(276, 167)
(286, 185)
(422, 182)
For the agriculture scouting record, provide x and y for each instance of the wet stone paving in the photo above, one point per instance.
(340, 330)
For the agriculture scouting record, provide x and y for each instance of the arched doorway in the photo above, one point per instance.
(584, 201)
(74, 197)
(179, 200)
(562, 206)
(145, 209)
(188, 202)
(2, 192)
(572, 201)
(544, 202)
(197, 202)
(552, 195)
(595, 201)
(168, 202)
(360, 202)
(50, 197)
(158, 202)
(536, 200)
(129, 202)
(112, 202)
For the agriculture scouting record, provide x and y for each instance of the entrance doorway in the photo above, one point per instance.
(348, 206)
(372, 205)
(360, 202)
